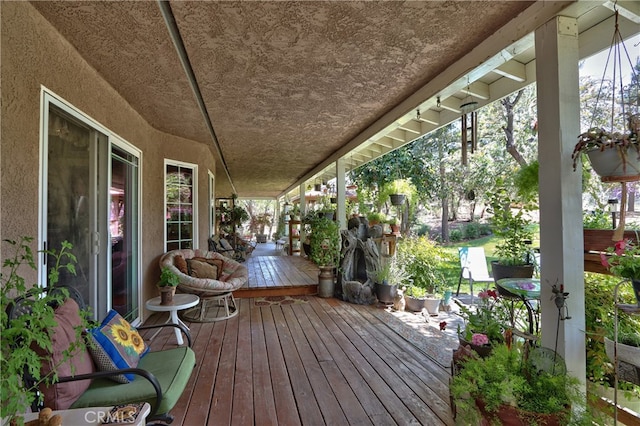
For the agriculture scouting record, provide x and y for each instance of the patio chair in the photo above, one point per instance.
(159, 378)
(473, 264)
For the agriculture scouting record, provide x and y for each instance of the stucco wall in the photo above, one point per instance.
(33, 54)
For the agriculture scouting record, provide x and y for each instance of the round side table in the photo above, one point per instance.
(180, 301)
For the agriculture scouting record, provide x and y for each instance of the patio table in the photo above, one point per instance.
(524, 289)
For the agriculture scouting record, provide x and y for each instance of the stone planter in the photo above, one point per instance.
(413, 304)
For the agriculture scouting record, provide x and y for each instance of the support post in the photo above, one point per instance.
(561, 239)
(341, 211)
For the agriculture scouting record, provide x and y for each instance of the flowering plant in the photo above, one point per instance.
(623, 259)
(484, 325)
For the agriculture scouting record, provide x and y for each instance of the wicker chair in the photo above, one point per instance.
(234, 276)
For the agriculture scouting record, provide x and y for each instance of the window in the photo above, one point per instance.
(180, 205)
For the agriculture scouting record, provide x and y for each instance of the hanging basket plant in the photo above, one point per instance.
(614, 154)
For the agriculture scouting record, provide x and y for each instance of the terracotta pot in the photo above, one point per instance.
(166, 295)
(507, 415)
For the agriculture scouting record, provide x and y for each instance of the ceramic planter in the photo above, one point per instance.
(615, 162)
(432, 305)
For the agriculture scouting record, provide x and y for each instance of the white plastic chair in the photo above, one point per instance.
(473, 265)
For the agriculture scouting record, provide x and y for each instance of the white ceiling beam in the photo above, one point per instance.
(513, 70)
(451, 104)
(385, 142)
(630, 9)
(429, 116)
(477, 89)
(411, 126)
(398, 135)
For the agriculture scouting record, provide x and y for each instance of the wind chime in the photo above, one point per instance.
(469, 125)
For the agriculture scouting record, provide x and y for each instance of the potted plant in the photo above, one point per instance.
(21, 336)
(611, 153)
(169, 280)
(516, 387)
(325, 252)
(398, 191)
(393, 223)
(375, 218)
(623, 260)
(386, 278)
(483, 327)
(627, 350)
(424, 262)
(414, 297)
(514, 252)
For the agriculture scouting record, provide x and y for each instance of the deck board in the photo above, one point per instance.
(312, 362)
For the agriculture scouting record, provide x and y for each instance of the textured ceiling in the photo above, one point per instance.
(285, 84)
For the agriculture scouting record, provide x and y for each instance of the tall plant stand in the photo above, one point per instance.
(629, 309)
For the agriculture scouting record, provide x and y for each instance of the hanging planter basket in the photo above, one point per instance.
(614, 152)
(397, 199)
(617, 162)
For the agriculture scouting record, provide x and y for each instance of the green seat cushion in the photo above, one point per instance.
(171, 367)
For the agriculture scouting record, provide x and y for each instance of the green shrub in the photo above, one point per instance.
(421, 229)
(471, 231)
(424, 261)
(596, 220)
(455, 235)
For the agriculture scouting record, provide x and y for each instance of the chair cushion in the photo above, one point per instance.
(115, 345)
(200, 269)
(61, 395)
(181, 264)
(172, 368)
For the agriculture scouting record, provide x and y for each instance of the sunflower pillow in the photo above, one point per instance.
(115, 344)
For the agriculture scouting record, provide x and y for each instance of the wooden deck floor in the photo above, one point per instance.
(317, 362)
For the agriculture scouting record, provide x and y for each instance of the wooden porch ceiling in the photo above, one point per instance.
(319, 362)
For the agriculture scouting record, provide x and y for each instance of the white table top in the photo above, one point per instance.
(180, 301)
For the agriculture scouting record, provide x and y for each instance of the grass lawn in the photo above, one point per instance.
(452, 272)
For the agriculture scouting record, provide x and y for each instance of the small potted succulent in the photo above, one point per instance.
(169, 280)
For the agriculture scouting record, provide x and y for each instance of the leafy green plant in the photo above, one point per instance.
(623, 259)
(598, 219)
(513, 229)
(325, 242)
(455, 235)
(424, 261)
(487, 320)
(599, 322)
(376, 217)
(31, 329)
(506, 377)
(168, 278)
(416, 292)
(382, 274)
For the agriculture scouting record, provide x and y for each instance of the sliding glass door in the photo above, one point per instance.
(90, 182)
